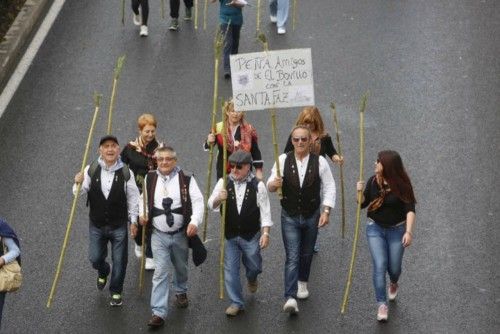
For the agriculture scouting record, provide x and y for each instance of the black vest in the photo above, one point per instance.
(296, 200)
(187, 207)
(113, 210)
(246, 223)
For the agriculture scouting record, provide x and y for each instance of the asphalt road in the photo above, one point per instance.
(433, 72)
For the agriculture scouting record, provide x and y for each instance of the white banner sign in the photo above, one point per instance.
(274, 79)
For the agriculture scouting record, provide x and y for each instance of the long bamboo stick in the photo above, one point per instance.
(123, 12)
(360, 193)
(143, 237)
(97, 104)
(294, 14)
(224, 206)
(258, 16)
(163, 9)
(205, 10)
(196, 14)
(116, 76)
(341, 167)
(218, 43)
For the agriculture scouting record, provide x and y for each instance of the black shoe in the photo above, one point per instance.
(227, 75)
(182, 300)
(156, 321)
(101, 282)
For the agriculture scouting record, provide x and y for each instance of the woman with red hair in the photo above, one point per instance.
(139, 156)
(390, 203)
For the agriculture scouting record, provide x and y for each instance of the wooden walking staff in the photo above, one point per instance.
(359, 196)
(218, 43)
(265, 45)
(163, 9)
(196, 14)
(116, 76)
(224, 207)
(97, 103)
(205, 9)
(258, 16)
(294, 14)
(143, 237)
(123, 12)
(341, 168)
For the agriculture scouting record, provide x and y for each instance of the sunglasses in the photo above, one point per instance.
(302, 139)
(378, 161)
(237, 166)
(160, 159)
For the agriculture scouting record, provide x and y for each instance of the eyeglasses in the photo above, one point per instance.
(167, 159)
(237, 166)
(302, 139)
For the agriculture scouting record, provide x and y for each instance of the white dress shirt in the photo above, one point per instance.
(168, 186)
(328, 190)
(107, 176)
(239, 189)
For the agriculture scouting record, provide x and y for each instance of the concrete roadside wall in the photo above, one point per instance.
(19, 36)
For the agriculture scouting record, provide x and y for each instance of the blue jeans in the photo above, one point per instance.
(249, 252)
(387, 250)
(231, 43)
(171, 252)
(299, 237)
(279, 8)
(98, 251)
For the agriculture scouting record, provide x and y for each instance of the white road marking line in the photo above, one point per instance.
(29, 55)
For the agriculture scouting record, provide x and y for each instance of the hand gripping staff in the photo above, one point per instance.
(342, 188)
(116, 76)
(218, 44)
(97, 103)
(360, 193)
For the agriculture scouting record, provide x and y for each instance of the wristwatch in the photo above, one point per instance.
(326, 210)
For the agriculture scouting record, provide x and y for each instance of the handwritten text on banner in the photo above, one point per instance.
(274, 79)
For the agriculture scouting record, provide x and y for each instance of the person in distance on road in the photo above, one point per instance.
(140, 17)
(390, 203)
(247, 225)
(230, 20)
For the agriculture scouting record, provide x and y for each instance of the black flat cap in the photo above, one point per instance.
(108, 137)
(240, 157)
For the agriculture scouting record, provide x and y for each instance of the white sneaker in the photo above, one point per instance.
(302, 292)
(138, 251)
(144, 31)
(281, 30)
(150, 264)
(291, 306)
(274, 19)
(137, 19)
(382, 312)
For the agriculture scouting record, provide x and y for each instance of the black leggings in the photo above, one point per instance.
(174, 7)
(144, 9)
